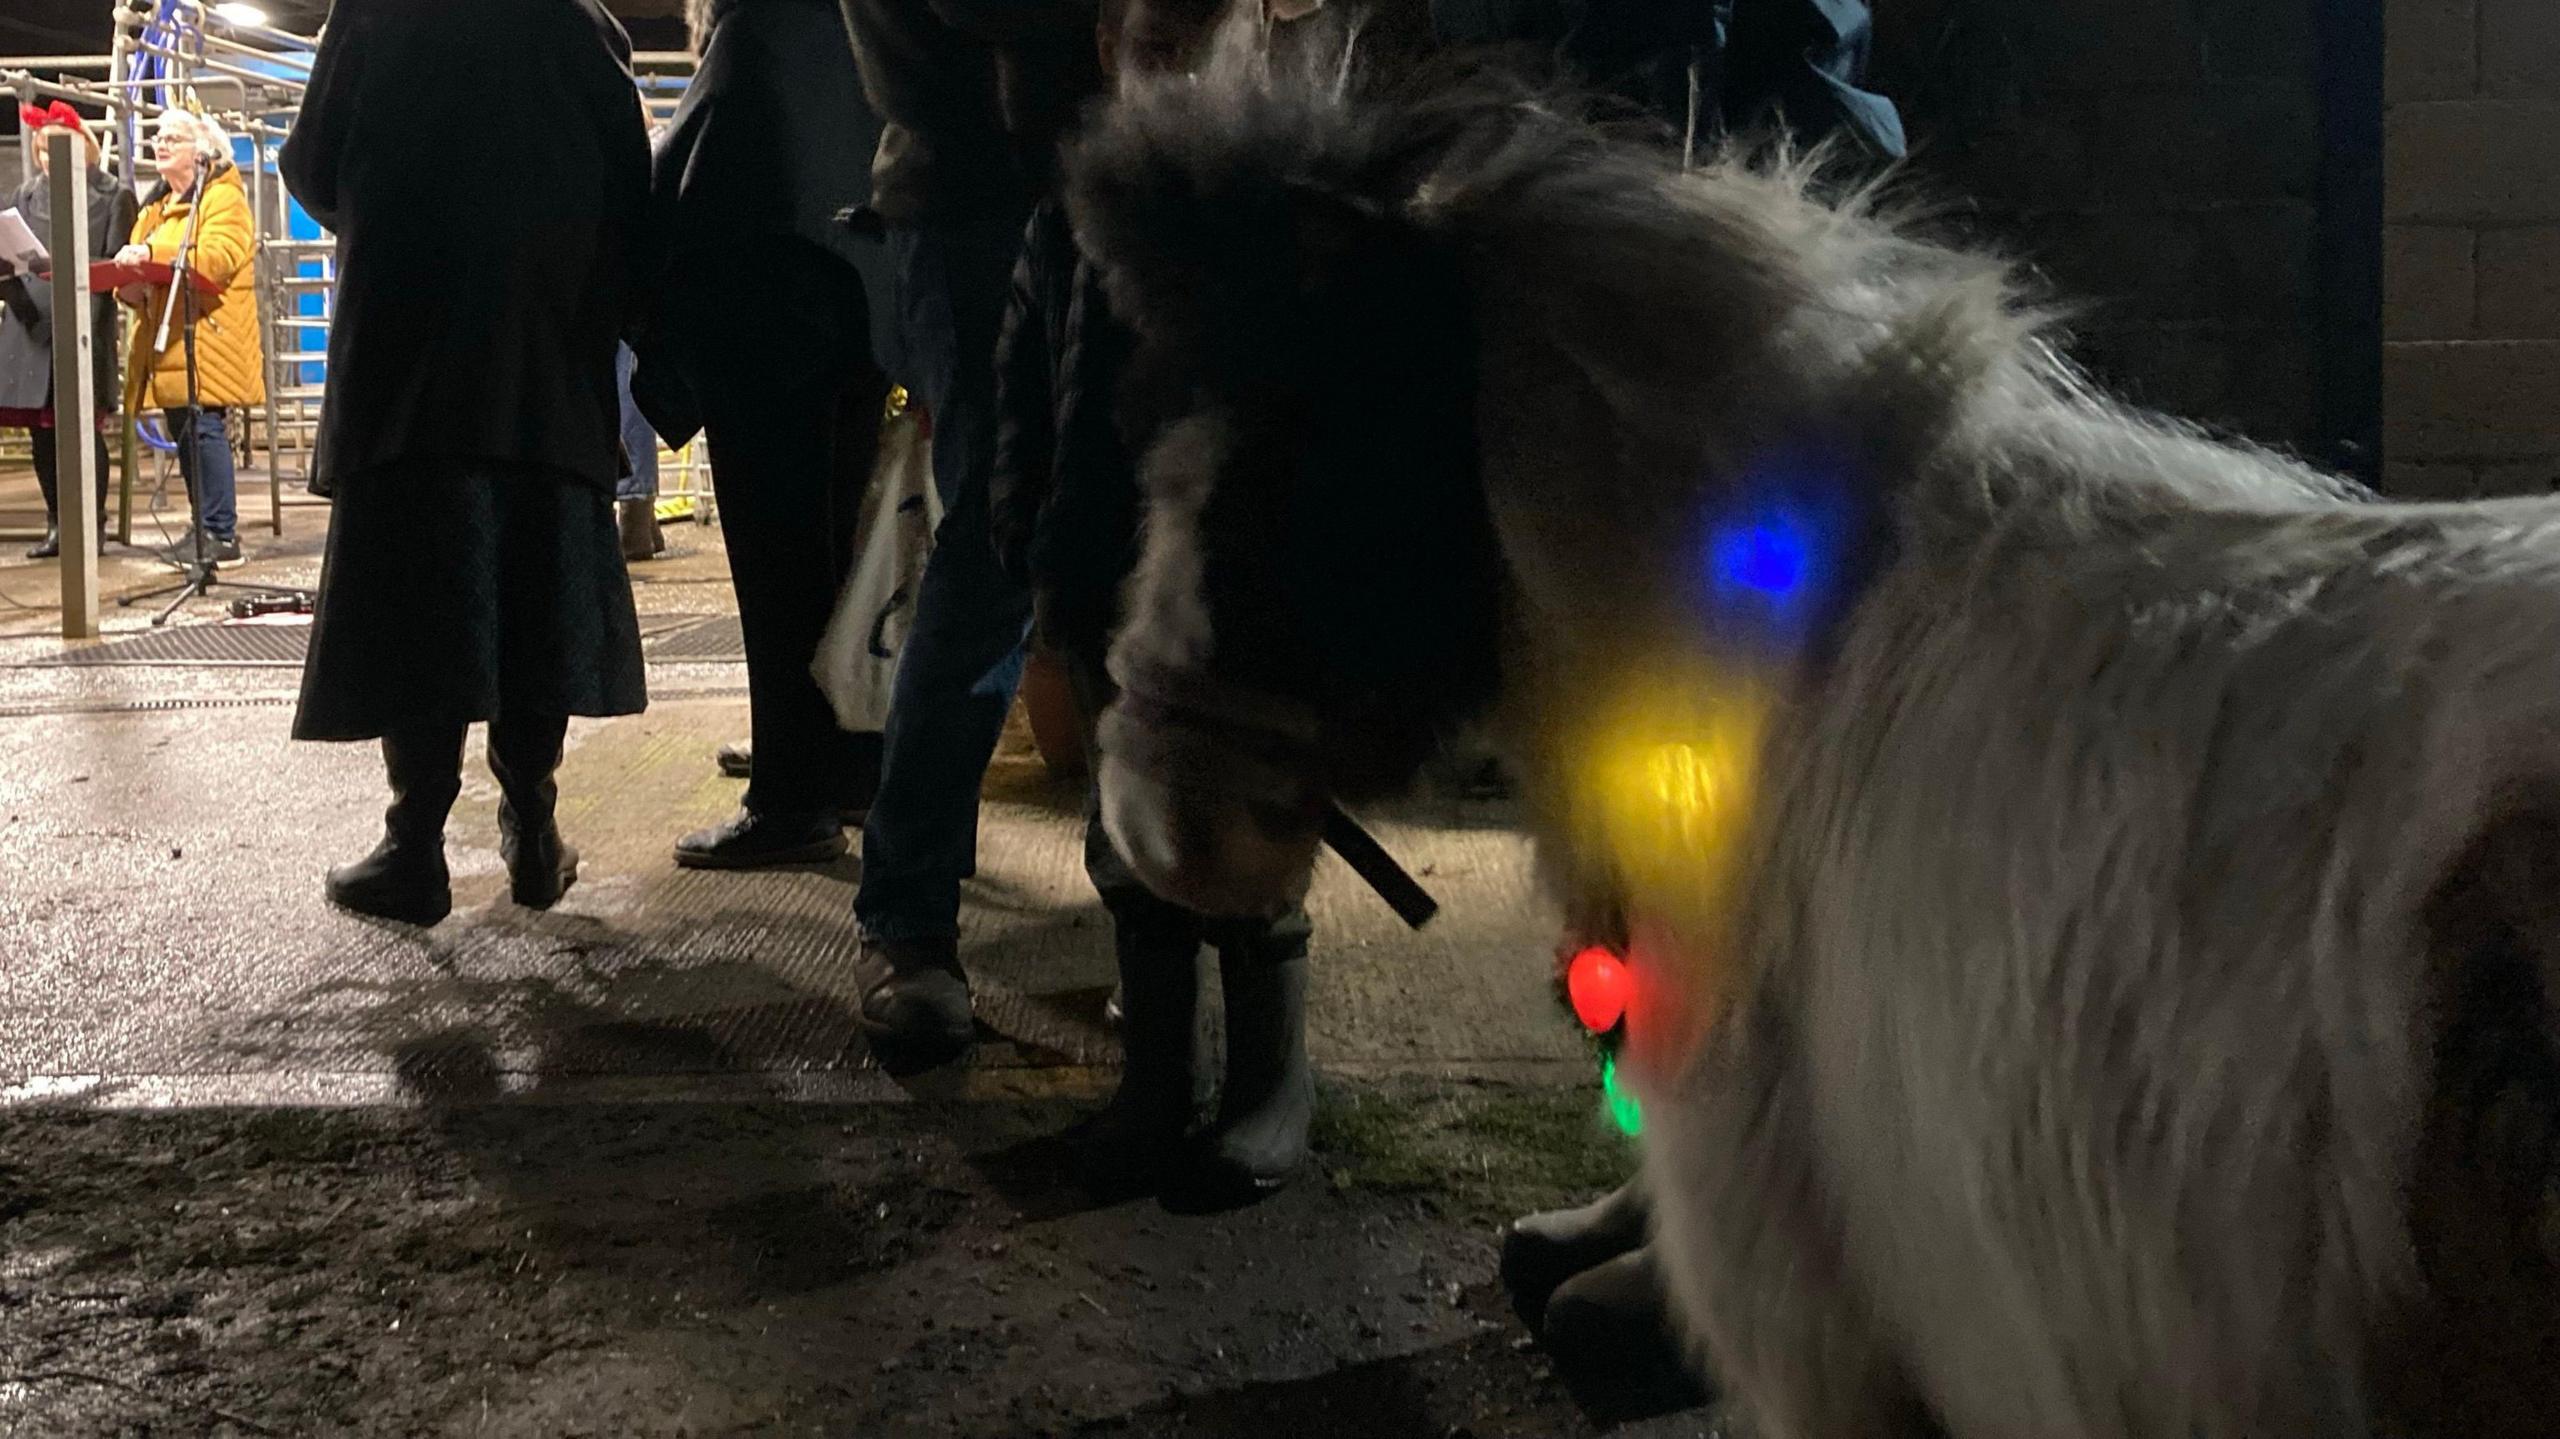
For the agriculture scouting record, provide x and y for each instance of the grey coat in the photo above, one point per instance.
(26, 330)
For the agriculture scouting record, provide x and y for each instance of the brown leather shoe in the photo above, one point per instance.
(915, 997)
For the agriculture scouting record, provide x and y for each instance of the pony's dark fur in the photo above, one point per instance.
(2133, 1012)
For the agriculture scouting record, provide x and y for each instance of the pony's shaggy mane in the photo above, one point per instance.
(1704, 301)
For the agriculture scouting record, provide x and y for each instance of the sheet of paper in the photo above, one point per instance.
(19, 245)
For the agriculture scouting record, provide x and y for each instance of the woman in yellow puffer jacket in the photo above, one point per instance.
(194, 159)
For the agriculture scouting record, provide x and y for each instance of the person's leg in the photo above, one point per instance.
(770, 372)
(204, 460)
(1267, 1103)
(955, 684)
(47, 445)
(962, 660)
(214, 478)
(405, 878)
(46, 456)
(1156, 945)
(636, 495)
(98, 454)
(41, 439)
(524, 752)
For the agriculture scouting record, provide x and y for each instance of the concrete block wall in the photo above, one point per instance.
(2157, 162)
(2471, 272)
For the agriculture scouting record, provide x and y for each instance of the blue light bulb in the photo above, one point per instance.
(1770, 555)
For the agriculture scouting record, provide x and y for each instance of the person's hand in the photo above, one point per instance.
(133, 254)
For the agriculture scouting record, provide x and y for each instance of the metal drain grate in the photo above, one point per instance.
(710, 639)
(273, 646)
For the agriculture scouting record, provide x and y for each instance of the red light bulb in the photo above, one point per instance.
(1600, 986)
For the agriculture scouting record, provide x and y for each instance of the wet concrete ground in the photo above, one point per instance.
(625, 1169)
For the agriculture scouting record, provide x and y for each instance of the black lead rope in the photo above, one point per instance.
(1370, 860)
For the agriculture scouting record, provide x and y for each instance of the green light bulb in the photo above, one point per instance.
(1623, 1109)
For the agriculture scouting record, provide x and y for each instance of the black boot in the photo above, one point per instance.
(1131, 1146)
(405, 879)
(1268, 1102)
(540, 865)
(46, 445)
(755, 839)
(1542, 1251)
(42, 440)
(523, 754)
(638, 522)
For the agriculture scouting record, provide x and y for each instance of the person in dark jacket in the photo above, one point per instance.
(26, 327)
(972, 96)
(1705, 68)
(471, 433)
(1067, 515)
(763, 341)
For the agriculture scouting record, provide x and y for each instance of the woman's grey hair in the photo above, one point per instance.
(211, 143)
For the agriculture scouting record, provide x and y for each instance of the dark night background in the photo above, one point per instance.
(2203, 174)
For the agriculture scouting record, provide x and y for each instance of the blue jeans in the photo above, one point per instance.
(963, 658)
(639, 442)
(204, 457)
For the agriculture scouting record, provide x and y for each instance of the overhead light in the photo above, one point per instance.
(239, 13)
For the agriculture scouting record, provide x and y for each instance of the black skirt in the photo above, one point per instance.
(452, 590)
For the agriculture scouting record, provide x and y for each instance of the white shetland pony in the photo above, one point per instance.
(2094, 884)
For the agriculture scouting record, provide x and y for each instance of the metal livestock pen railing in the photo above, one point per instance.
(250, 76)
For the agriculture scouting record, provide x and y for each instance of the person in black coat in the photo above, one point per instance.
(763, 341)
(26, 330)
(471, 434)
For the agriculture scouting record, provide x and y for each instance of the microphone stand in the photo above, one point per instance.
(198, 573)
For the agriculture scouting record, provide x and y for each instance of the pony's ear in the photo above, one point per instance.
(1230, 278)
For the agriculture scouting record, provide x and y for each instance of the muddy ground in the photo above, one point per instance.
(519, 1267)
(621, 1169)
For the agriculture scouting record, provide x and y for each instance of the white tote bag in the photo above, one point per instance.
(858, 658)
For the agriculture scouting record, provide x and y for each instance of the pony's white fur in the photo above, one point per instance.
(2075, 1031)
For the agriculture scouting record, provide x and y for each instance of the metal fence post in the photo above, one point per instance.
(75, 387)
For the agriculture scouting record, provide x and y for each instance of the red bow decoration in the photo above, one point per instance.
(58, 113)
